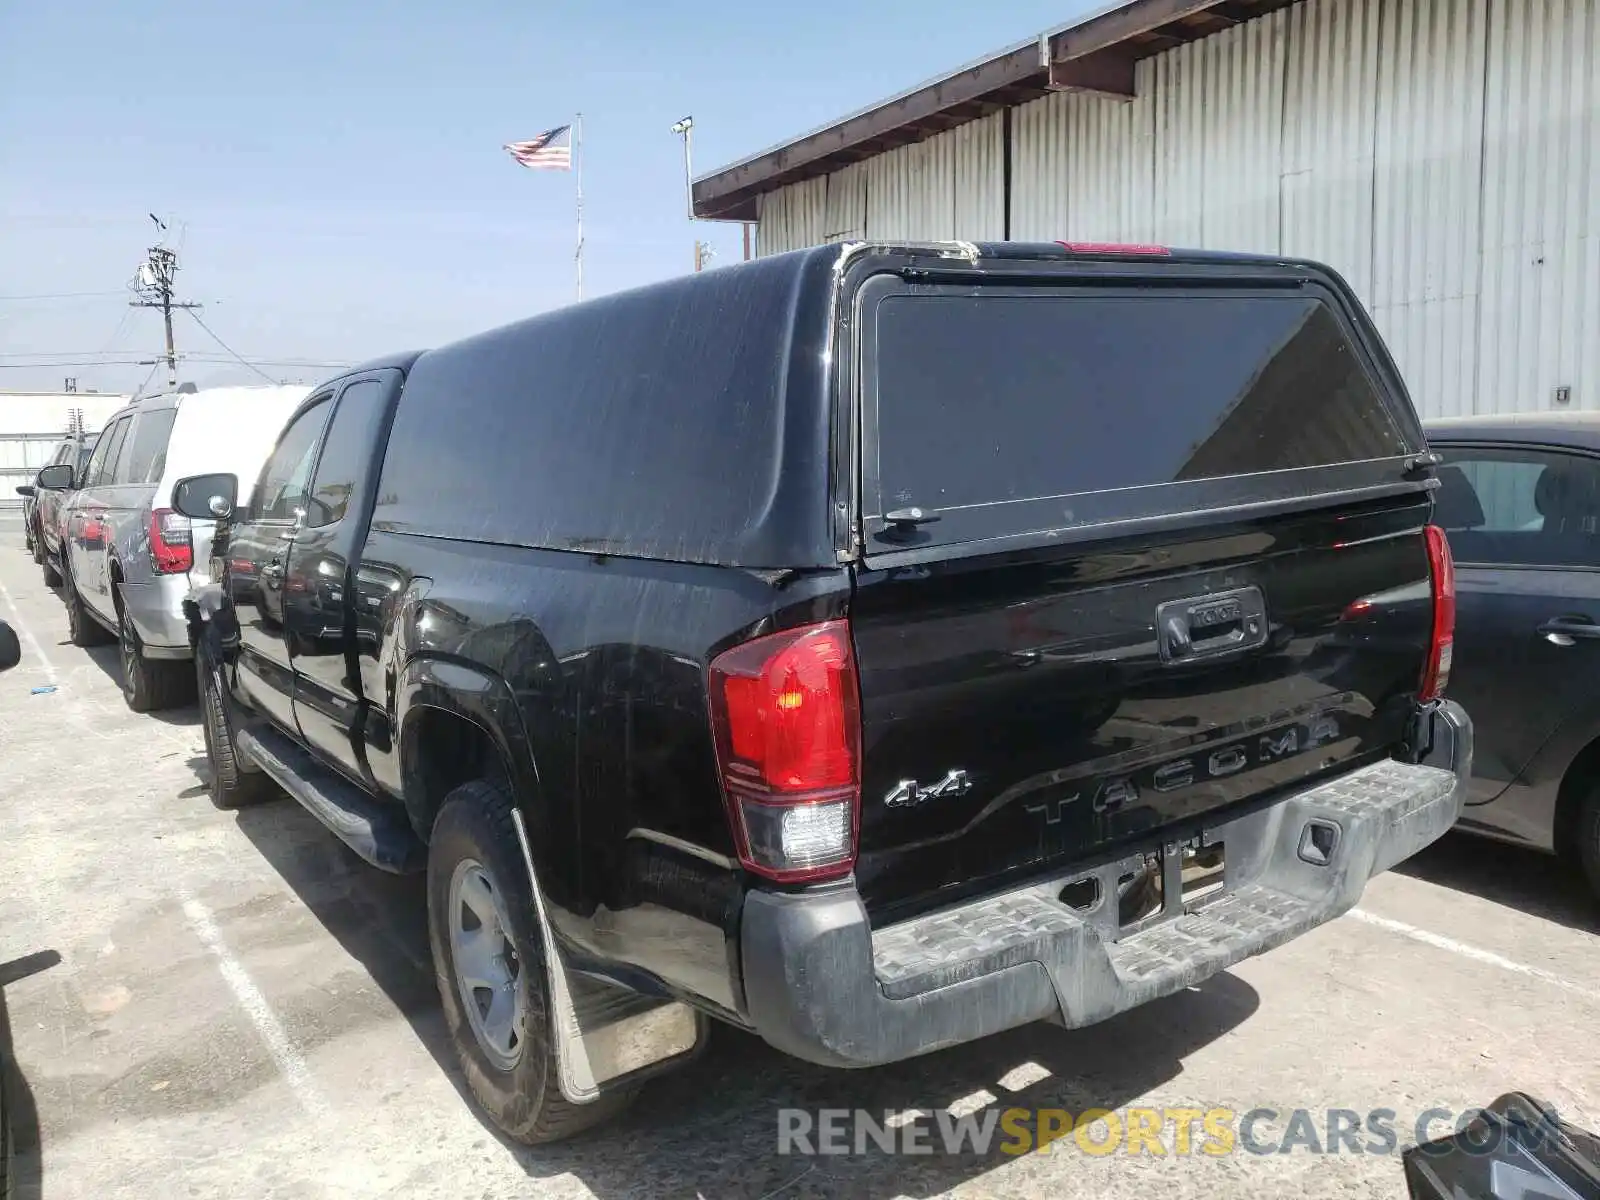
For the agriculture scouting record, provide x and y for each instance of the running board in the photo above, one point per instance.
(605, 1033)
(380, 833)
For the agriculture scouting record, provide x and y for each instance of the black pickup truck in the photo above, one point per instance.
(873, 647)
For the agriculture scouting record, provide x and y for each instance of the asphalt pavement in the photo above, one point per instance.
(210, 1004)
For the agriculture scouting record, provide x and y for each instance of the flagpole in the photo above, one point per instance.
(577, 167)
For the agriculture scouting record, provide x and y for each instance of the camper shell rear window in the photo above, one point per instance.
(1007, 410)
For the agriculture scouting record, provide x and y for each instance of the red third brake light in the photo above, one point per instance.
(1129, 249)
(171, 551)
(787, 720)
(1441, 648)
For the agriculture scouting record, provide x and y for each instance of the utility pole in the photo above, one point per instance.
(152, 283)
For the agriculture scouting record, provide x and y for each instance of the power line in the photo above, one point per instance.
(61, 296)
(57, 353)
(82, 357)
(242, 360)
(202, 358)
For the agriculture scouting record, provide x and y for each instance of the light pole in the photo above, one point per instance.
(685, 130)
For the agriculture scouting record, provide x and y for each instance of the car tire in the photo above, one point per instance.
(475, 841)
(52, 577)
(148, 685)
(36, 544)
(82, 629)
(231, 785)
(1588, 833)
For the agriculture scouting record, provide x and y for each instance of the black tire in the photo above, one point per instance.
(82, 629)
(1588, 835)
(35, 544)
(52, 577)
(524, 1101)
(148, 684)
(231, 785)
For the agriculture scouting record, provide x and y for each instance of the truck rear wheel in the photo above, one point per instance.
(489, 962)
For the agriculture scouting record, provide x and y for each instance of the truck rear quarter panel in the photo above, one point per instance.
(589, 671)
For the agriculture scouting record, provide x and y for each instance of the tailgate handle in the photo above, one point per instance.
(1203, 626)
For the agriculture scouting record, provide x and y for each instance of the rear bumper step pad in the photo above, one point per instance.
(821, 985)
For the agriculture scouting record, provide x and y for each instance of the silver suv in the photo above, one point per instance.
(127, 556)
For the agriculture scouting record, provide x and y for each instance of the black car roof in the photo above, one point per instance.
(1580, 429)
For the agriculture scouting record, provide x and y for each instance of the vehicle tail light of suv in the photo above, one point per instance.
(1441, 648)
(787, 720)
(171, 550)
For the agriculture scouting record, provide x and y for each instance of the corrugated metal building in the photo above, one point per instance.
(1444, 155)
(31, 423)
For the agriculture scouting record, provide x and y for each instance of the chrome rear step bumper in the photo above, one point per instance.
(822, 985)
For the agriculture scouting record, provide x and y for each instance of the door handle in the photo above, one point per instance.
(1566, 631)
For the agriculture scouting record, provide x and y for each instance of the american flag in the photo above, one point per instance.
(541, 153)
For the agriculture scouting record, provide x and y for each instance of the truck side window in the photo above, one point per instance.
(281, 494)
(347, 454)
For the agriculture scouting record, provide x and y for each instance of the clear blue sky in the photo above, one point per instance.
(335, 168)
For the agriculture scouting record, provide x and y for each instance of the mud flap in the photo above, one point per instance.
(605, 1034)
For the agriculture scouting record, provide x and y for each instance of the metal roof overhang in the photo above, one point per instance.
(1094, 54)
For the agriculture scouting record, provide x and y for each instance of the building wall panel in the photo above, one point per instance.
(792, 217)
(847, 205)
(1329, 131)
(1540, 296)
(1218, 138)
(1082, 166)
(1427, 168)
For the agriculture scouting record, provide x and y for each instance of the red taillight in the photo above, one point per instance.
(1441, 647)
(787, 720)
(1130, 249)
(171, 551)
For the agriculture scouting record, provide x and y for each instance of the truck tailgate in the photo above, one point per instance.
(1024, 715)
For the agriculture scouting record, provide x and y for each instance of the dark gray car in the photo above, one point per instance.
(1520, 500)
(42, 509)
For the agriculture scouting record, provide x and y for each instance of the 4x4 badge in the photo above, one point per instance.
(908, 793)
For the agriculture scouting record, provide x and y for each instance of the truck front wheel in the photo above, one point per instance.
(489, 962)
(232, 786)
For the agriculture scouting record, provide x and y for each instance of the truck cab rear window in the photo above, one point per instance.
(1018, 411)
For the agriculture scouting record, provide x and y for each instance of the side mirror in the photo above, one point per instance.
(206, 497)
(10, 647)
(57, 477)
(27, 489)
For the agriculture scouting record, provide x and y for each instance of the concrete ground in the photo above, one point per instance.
(203, 1004)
